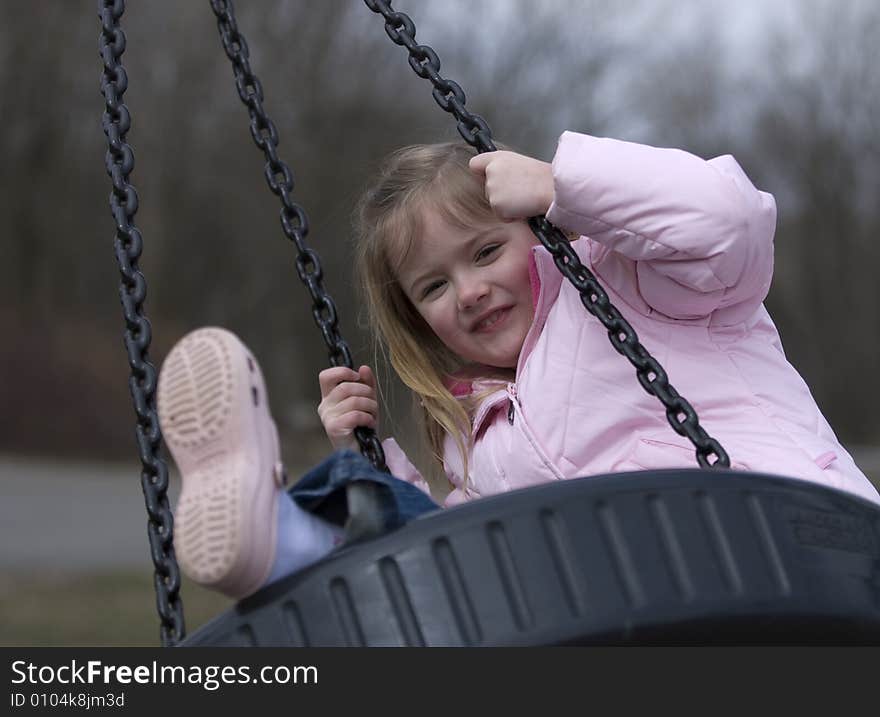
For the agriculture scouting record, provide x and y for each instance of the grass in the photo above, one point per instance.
(108, 609)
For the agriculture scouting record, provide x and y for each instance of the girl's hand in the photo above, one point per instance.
(517, 186)
(348, 400)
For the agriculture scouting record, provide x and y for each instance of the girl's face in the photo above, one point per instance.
(472, 287)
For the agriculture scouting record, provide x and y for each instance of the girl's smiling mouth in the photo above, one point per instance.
(491, 321)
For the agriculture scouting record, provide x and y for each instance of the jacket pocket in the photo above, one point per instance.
(654, 454)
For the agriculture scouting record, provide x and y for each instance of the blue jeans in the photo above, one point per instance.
(322, 491)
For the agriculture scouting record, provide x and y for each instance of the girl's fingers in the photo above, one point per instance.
(479, 163)
(346, 423)
(355, 403)
(329, 378)
(346, 397)
(516, 185)
(347, 390)
(367, 376)
(348, 400)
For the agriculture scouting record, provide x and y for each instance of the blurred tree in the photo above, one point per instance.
(817, 138)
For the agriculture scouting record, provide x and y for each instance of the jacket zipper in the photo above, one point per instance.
(511, 409)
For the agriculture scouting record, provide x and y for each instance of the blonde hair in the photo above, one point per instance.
(388, 220)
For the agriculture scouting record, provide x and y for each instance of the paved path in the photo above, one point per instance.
(78, 517)
(69, 516)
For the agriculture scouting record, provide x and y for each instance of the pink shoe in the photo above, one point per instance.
(214, 413)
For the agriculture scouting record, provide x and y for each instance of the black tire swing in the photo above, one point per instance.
(666, 556)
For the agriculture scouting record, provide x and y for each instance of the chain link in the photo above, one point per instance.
(426, 64)
(474, 130)
(128, 245)
(294, 222)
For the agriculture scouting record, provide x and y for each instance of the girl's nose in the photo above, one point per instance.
(471, 293)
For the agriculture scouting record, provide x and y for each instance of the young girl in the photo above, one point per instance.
(517, 383)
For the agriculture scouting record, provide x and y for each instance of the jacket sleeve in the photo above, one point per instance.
(690, 237)
(401, 467)
(453, 466)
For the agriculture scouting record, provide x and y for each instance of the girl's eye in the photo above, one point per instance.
(487, 251)
(431, 288)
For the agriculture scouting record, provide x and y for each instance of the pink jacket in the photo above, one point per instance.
(684, 248)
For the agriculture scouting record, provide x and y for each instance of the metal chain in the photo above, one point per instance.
(128, 244)
(475, 131)
(425, 63)
(293, 218)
